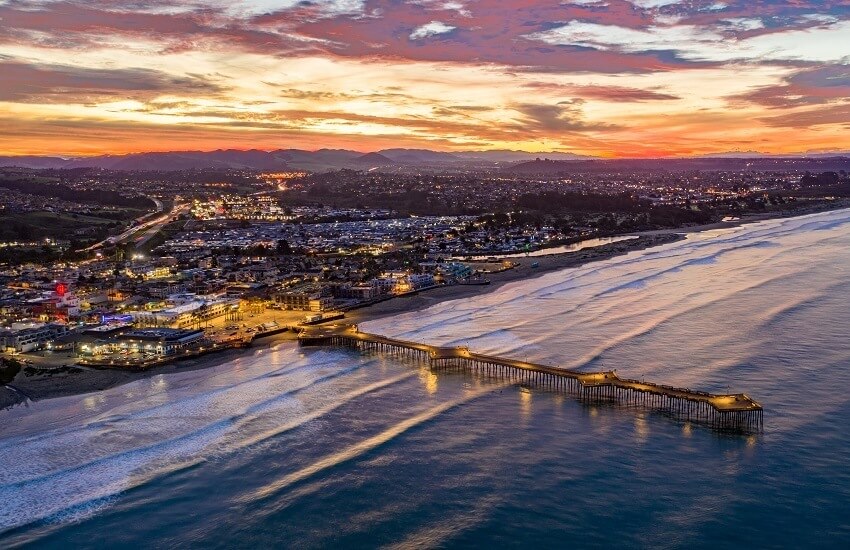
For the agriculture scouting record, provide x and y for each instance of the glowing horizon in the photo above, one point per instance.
(614, 78)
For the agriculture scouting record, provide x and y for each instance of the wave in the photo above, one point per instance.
(74, 444)
(663, 316)
(360, 448)
(701, 261)
(169, 412)
(113, 475)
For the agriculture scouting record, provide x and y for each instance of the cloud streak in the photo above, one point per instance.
(594, 77)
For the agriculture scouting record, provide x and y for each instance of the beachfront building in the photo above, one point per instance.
(420, 280)
(157, 341)
(383, 285)
(124, 341)
(401, 282)
(303, 300)
(455, 270)
(358, 292)
(23, 338)
(186, 314)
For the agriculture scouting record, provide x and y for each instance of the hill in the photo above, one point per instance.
(555, 167)
(513, 162)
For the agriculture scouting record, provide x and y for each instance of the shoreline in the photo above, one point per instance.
(523, 271)
(567, 260)
(37, 388)
(25, 389)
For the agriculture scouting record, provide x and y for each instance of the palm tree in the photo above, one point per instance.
(200, 315)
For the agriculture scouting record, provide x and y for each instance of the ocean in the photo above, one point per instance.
(310, 448)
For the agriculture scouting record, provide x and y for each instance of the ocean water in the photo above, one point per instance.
(321, 447)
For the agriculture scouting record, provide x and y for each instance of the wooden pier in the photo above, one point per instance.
(733, 412)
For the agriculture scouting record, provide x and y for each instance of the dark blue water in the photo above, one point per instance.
(290, 447)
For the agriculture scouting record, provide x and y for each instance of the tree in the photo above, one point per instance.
(9, 368)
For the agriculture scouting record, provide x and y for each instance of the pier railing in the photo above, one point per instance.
(729, 412)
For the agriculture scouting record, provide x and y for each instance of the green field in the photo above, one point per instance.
(32, 226)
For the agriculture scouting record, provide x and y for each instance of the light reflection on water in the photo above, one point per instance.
(320, 447)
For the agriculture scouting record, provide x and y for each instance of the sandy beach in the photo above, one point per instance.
(33, 388)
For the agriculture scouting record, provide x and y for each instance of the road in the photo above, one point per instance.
(147, 229)
(154, 226)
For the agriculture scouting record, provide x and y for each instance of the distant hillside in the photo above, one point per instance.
(185, 160)
(174, 160)
(373, 160)
(517, 156)
(552, 167)
(113, 198)
(326, 160)
(735, 155)
(323, 160)
(424, 156)
(33, 162)
(760, 155)
(418, 156)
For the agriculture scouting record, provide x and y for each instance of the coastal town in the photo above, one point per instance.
(424, 274)
(148, 279)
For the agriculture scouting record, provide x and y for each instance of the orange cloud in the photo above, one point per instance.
(619, 78)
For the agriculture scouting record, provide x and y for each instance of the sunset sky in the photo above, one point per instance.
(614, 78)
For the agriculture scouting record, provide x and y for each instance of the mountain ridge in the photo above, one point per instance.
(278, 159)
(323, 160)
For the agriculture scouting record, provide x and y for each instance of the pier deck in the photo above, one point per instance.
(732, 412)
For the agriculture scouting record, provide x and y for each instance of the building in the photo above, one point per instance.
(359, 292)
(398, 283)
(30, 338)
(148, 272)
(418, 281)
(383, 285)
(456, 270)
(164, 289)
(303, 300)
(106, 340)
(186, 313)
(60, 304)
(158, 341)
(92, 340)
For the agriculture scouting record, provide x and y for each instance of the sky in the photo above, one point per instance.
(612, 78)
